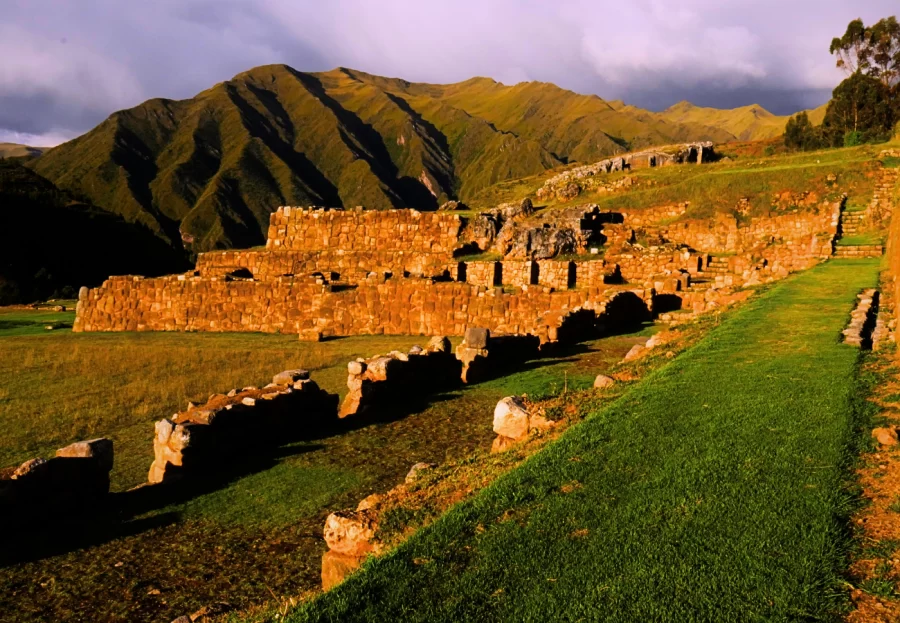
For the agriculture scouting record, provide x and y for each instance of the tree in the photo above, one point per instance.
(862, 104)
(853, 50)
(799, 133)
(883, 41)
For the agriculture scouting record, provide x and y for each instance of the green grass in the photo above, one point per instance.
(262, 530)
(712, 188)
(716, 490)
(868, 238)
(57, 387)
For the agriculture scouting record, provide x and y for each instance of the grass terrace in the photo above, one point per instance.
(717, 489)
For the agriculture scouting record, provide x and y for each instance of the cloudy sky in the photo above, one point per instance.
(67, 64)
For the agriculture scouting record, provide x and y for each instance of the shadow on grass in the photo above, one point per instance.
(147, 507)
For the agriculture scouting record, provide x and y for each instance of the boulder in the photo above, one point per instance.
(351, 532)
(511, 418)
(502, 444)
(99, 449)
(886, 436)
(602, 381)
(636, 351)
(289, 377)
(310, 335)
(477, 338)
(336, 567)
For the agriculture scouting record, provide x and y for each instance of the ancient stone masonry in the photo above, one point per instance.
(72, 483)
(228, 427)
(383, 379)
(333, 272)
(569, 184)
(862, 320)
(410, 231)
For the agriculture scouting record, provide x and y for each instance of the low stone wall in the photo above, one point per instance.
(410, 231)
(72, 483)
(384, 379)
(653, 216)
(229, 427)
(394, 307)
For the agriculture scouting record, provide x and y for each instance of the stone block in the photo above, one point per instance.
(477, 338)
(99, 449)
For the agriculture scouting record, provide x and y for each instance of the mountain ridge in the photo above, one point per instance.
(205, 172)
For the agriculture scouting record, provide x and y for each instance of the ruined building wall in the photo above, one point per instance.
(410, 231)
(395, 307)
(351, 265)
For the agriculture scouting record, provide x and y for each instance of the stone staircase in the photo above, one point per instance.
(860, 250)
(852, 222)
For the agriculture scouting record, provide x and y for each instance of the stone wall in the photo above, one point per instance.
(231, 427)
(351, 266)
(811, 232)
(74, 482)
(396, 306)
(410, 231)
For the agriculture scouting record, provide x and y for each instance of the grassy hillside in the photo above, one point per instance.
(51, 243)
(714, 491)
(748, 123)
(14, 150)
(207, 171)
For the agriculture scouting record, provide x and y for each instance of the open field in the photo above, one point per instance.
(717, 489)
(256, 532)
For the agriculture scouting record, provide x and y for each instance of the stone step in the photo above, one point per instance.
(868, 250)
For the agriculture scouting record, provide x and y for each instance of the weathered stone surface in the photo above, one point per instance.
(336, 567)
(511, 418)
(886, 436)
(636, 351)
(351, 532)
(502, 444)
(99, 449)
(477, 338)
(602, 381)
(30, 468)
(289, 377)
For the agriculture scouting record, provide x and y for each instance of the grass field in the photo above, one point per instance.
(257, 533)
(716, 490)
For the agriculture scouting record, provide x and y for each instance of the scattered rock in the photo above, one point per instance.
(502, 444)
(886, 436)
(351, 532)
(511, 418)
(636, 351)
(602, 381)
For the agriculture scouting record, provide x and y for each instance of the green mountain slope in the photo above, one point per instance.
(51, 244)
(748, 123)
(206, 172)
(15, 150)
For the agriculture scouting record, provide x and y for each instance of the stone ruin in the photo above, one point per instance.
(384, 378)
(204, 438)
(73, 483)
(569, 184)
(398, 272)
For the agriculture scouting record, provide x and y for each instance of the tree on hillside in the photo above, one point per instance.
(799, 133)
(884, 43)
(852, 50)
(860, 106)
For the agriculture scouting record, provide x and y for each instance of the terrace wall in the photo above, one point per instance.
(394, 307)
(409, 231)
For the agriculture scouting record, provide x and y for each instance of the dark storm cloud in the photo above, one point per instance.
(68, 64)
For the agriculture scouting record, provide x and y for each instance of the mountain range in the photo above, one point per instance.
(205, 172)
